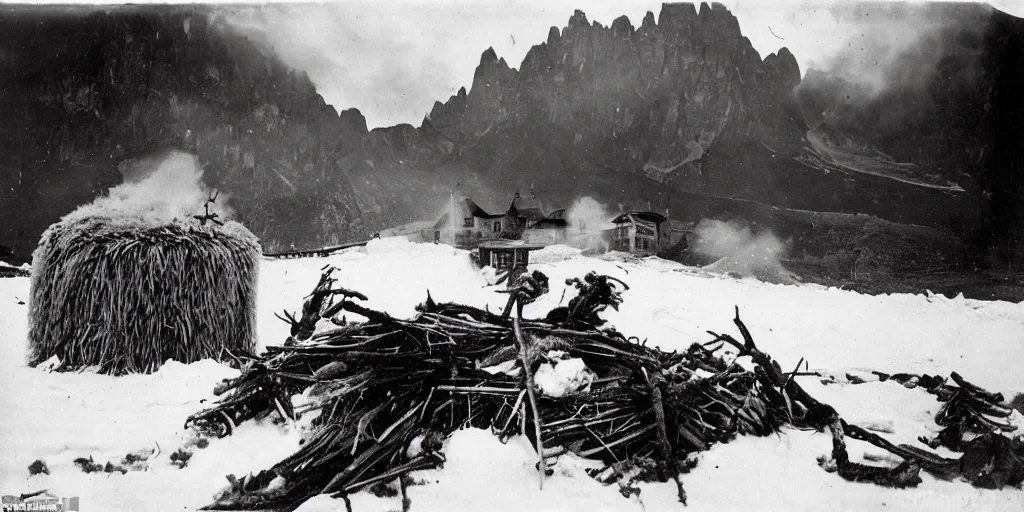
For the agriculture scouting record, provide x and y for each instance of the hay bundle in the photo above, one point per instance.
(127, 294)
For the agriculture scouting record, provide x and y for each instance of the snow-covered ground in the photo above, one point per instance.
(59, 417)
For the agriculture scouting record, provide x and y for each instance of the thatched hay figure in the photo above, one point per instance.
(127, 294)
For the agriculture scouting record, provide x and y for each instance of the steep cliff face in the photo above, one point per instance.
(651, 116)
(92, 89)
(653, 100)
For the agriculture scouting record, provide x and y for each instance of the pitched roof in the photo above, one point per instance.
(477, 211)
(648, 216)
(525, 203)
(442, 221)
(557, 214)
(474, 210)
(41, 497)
(527, 208)
(549, 223)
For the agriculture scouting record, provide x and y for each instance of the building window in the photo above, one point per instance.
(437, 236)
(467, 222)
(497, 226)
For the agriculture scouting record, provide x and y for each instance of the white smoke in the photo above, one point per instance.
(737, 249)
(587, 219)
(157, 191)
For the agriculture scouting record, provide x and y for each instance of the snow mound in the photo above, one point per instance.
(389, 245)
(563, 376)
(554, 253)
(482, 474)
(489, 274)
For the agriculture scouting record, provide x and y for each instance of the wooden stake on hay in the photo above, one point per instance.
(126, 296)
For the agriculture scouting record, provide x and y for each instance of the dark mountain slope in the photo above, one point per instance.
(91, 88)
(950, 111)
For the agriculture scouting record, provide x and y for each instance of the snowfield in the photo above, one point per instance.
(59, 417)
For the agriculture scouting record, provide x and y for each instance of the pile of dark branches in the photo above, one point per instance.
(386, 391)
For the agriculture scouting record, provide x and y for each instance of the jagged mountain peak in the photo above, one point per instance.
(553, 35)
(784, 63)
(648, 22)
(676, 15)
(488, 56)
(692, 86)
(353, 119)
(622, 26)
(578, 19)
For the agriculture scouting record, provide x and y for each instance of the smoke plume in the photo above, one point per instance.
(588, 215)
(587, 219)
(737, 249)
(156, 190)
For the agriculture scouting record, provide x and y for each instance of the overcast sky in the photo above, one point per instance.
(393, 59)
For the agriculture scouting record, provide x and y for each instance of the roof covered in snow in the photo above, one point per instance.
(478, 211)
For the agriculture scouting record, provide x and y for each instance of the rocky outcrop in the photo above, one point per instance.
(649, 98)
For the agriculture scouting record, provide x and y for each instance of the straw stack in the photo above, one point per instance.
(125, 295)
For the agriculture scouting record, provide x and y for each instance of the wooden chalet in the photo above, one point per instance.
(473, 225)
(637, 232)
(523, 212)
(522, 220)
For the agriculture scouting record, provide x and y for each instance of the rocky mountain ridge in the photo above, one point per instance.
(679, 114)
